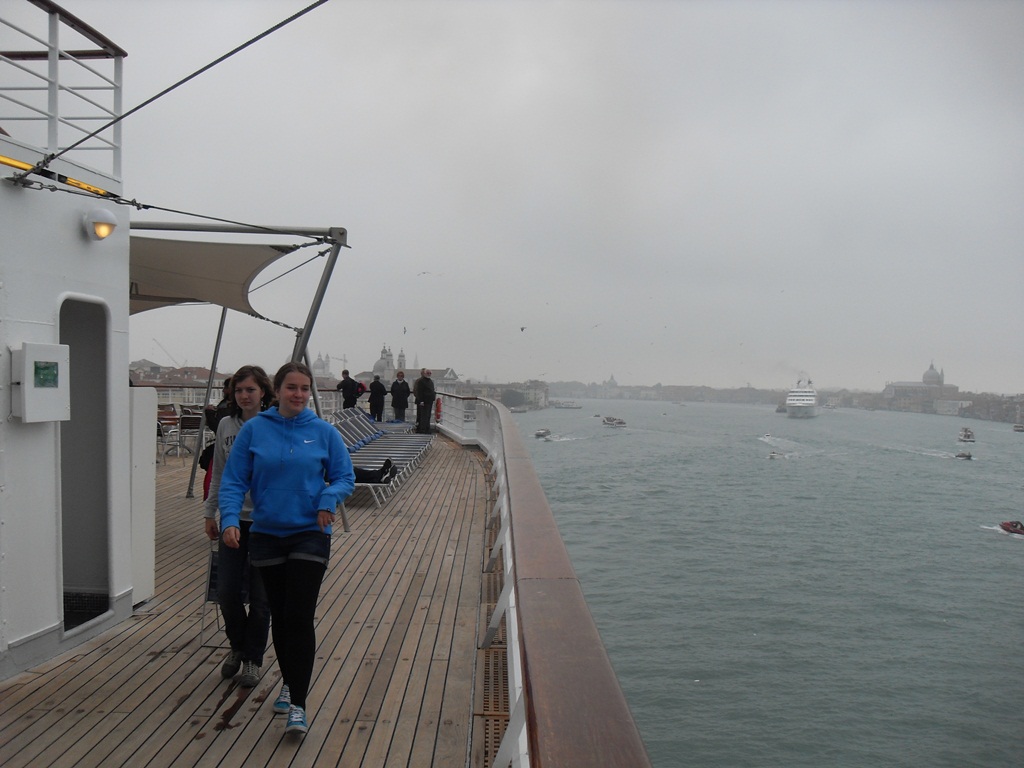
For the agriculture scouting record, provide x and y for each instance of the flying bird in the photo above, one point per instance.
(522, 327)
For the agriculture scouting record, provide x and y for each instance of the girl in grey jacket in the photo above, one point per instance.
(237, 582)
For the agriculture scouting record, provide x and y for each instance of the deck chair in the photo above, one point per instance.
(161, 442)
(186, 436)
(370, 448)
(217, 637)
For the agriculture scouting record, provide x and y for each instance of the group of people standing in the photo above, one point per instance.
(277, 474)
(422, 391)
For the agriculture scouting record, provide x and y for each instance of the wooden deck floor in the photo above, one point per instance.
(394, 682)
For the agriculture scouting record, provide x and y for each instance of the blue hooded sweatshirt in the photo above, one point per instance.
(292, 468)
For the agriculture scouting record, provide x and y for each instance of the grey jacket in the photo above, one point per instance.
(227, 431)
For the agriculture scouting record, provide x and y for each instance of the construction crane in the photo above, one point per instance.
(176, 363)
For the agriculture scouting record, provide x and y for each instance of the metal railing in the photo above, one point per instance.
(60, 80)
(566, 707)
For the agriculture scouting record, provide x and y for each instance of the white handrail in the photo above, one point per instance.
(44, 70)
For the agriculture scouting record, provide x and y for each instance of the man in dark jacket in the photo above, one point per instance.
(349, 389)
(400, 395)
(423, 391)
(377, 394)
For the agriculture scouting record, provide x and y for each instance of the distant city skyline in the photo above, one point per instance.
(221, 372)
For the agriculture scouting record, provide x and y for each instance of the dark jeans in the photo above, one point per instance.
(399, 413)
(368, 475)
(237, 581)
(423, 414)
(292, 569)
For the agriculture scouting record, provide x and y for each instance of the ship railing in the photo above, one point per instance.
(52, 96)
(565, 706)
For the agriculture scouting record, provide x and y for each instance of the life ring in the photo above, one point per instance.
(437, 409)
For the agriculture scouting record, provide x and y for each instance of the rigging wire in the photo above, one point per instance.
(42, 164)
(40, 186)
(319, 255)
(278, 323)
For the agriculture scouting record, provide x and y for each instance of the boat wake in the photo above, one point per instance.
(781, 447)
(924, 452)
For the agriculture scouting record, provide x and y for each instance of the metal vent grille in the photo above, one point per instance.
(493, 698)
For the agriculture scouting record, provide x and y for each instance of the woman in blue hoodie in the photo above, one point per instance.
(297, 471)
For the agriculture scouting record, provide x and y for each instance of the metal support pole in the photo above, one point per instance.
(202, 418)
(316, 395)
(303, 340)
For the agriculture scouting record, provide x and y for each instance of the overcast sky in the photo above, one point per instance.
(710, 192)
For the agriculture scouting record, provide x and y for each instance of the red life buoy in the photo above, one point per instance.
(437, 409)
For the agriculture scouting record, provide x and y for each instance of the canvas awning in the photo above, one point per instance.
(165, 272)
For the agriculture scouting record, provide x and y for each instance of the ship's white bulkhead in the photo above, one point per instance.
(68, 566)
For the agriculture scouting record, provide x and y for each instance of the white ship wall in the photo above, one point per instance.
(65, 504)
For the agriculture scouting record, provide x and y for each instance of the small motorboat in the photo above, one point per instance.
(776, 455)
(612, 421)
(1018, 427)
(1013, 526)
(542, 433)
(966, 435)
(965, 455)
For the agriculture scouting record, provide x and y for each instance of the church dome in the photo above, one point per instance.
(931, 376)
(385, 366)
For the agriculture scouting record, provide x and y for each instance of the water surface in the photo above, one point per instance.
(850, 604)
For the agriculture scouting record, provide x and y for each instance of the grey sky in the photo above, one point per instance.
(711, 192)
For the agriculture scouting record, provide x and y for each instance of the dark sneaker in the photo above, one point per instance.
(231, 665)
(250, 674)
(385, 470)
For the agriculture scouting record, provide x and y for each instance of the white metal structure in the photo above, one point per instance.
(70, 550)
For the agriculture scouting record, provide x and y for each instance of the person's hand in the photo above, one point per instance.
(212, 531)
(324, 518)
(232, 537)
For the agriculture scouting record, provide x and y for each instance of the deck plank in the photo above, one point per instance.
(393, 678)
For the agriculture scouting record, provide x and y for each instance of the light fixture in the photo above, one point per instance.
(99, 224)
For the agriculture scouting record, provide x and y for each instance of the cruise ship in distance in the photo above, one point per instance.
(802, 401)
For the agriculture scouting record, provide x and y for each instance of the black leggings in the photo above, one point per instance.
(292, 590)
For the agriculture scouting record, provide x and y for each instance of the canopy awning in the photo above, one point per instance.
(167, 272)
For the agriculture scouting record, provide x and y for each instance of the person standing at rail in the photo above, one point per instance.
(377, 394)
(297, 469)
(350, 390)
(400, 395)
(425, 394)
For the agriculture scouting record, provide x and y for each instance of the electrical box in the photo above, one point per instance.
(41, 382)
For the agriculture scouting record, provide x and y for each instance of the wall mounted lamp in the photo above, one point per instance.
(99, 224)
